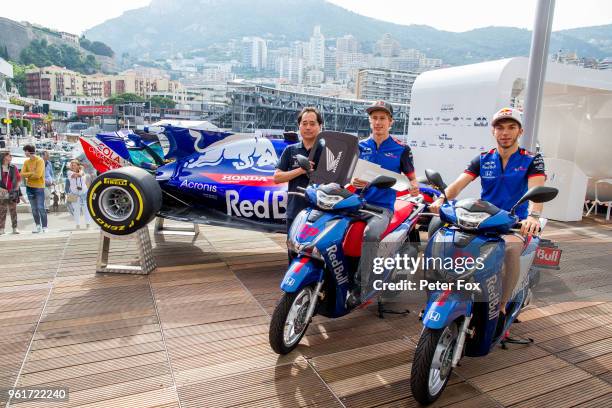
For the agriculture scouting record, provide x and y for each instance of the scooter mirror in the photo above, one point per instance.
(383, 182)
(539, 194)
(435, 178)
(303, 162)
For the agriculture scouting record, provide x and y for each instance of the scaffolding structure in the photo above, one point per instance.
(259, 107)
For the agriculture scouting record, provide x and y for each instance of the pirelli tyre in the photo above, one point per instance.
(124, 200)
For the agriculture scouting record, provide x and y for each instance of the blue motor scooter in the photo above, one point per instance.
(464, 317)
(327, 238)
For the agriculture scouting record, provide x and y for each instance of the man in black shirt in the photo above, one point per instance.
(288, 169)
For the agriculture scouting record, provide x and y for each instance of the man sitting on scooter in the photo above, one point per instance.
(390, 154)
(506, 173)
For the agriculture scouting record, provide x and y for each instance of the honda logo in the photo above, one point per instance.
(332, 160)
(433, 316)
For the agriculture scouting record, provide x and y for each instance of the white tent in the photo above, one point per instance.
(451, 109)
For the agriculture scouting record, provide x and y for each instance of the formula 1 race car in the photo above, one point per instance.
(206, 176)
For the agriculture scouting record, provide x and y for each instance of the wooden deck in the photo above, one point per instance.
(195, 332)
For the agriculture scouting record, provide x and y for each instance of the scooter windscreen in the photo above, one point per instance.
(453, 255)
(472, 214)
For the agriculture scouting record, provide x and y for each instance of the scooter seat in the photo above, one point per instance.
(353, 239)
(401, 211)
(354, 236)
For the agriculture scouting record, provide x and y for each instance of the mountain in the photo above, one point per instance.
(169, 26)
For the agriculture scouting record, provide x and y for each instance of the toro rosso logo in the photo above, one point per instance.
(308, 231)
(255, 153)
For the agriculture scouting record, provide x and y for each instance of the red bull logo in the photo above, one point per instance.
(244, 153)
(273, 204)
(547, 257)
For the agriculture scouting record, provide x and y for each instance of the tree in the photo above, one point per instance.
(41, 54)
(4, 52)
(17, 101)
(100, 48)
(96, 47)
(123, 98)
(84, 43)
(19, 77)
(162, 102)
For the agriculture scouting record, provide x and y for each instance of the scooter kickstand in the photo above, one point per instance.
(382, 310)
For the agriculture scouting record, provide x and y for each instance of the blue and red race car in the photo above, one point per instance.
(206, 176)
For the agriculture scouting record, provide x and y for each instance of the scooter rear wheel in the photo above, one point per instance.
(289, 323)
(432, 364)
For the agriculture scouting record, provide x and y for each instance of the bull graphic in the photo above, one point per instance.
(246, 153)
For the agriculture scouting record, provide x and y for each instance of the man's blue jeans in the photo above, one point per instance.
(36, 196)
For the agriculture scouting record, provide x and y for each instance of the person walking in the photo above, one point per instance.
(49, 178)
(9, 191)
(77, 193)
(34, 172)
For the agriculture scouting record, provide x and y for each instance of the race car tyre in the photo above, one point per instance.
(124, 200)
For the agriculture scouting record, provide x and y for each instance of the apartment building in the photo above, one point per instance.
(390, 85)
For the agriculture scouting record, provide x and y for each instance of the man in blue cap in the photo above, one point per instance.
(391, 154)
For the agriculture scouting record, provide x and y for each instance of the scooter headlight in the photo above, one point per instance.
(297, 225)
(326, 201)
(309, 249)
(470, 220)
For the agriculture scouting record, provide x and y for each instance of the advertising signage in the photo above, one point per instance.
(95, 110)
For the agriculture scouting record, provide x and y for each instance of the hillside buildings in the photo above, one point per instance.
(60, 84)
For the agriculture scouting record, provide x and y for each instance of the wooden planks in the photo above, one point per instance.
(196, 332)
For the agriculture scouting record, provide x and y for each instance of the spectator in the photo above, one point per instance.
(34, 172)
(49, 178)
(77, 193)
(9, 191)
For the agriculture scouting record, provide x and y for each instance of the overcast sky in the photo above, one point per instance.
(75, 16)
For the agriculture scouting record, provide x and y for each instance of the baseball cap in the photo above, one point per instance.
(508, 113)
(380, 105)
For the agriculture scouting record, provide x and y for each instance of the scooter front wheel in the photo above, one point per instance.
(290, 320)
(432, 364)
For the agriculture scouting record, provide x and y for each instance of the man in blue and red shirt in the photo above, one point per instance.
(391, 154)
(506, 173)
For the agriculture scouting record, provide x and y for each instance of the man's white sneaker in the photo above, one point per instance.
(37, 229)
(45, 229)
(15, 231)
